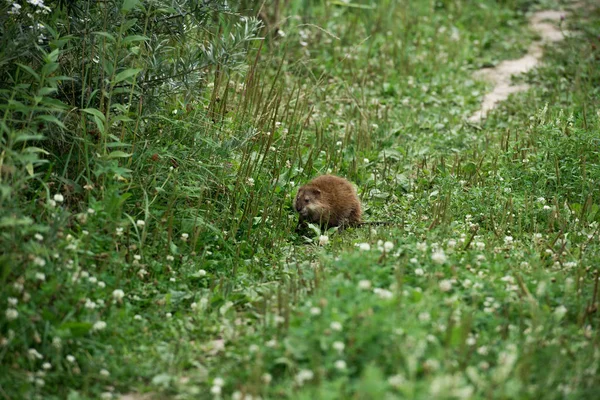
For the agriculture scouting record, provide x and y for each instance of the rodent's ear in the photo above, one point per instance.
(317, 192)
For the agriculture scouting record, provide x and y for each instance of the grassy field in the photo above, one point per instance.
(147, 174)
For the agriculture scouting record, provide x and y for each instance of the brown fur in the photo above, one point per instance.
(329, 201)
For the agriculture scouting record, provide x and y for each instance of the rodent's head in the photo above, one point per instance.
(307, 200)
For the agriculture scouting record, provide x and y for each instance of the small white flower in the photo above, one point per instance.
(250, 182)
(118, 294)
(396, 380)
(137, 317)
(383, 293)
(40, 276)
(340, 364)
(483, 350)
(39, 261)
(140, 223)
(70, 358)
(336, 326)
(46, 365)
(216, 390)
(364, 284)
(137, 257)
(12, 301)
(194, 305)
(388, 246)
(547, 207)
(52, 203)
(59, 198)
(480, 245)
(303, 376)
(508, 240)
(445, 285)
(323, 240)
(119, 231)
(315, 311)
(168, 315)
(218, 382)
(422, 246)
(101, 284)
(451, 243)
(11, 314)
(419, 272)
(106, 396)
(185, 236)
(439, 257)
(33, 354)
(364, 247)
(38, 237)
(339, 346)
(99, 326)
(89, 304)
(560, 311)
(170, 258)
(267, 378)
(202, 272)
(424, 316)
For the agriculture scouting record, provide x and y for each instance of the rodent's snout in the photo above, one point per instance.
(298, 206)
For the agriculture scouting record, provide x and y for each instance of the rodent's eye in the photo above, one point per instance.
(307, 200)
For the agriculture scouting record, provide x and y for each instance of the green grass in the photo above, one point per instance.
(182, 243)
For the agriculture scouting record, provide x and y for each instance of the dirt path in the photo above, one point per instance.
(546, 24)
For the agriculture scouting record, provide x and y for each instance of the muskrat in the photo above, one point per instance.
(329, 201)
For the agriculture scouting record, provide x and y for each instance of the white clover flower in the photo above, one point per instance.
(364, 284)
(339, 346)
(70, 358)
(480, 245)
(38, 237)
(137, 257)
(140, 223)
(451, 243)
(315, 311)
(483, 350)
(216, 390)
(168, 315)
(170, 258)
(323, 240)
(185, 236)
(118, 294)
(445, 285)
(202, 272)
(413, 260)
(46, 365)
(388, 246)
(336, 326)
(383, 293)
(424, 316)
(439, 257)
(33, 354)
(40, 276)
(39, 261)
(541, 200)
(89, 304)
(99, 326)
(547, 207)
(267, 378)
(101, 284)
(250, 182)
(12, 301)
(218, 382)
(364, 247)
(419, 272)
(560, 311)
(119, 231)
(11, 314)
(422, 246)
(137, 317)
(59, 198)
(508, 240)
(340, 364)
(471, 341)
(303, 376)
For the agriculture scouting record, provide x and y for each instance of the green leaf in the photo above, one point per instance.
(135, 38)
(95, 112)
(52, 119)
(77, 329)
(128, 5)
(30, 71)
(118, 154)
(128, 73)
(106, 35)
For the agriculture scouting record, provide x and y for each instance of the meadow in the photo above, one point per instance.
(150, 152)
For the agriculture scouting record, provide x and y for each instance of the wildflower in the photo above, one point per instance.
(383, 293)
(560, 311)
(184, 236)
(364, 247)
(118, 295)
(396, 380)
(422, 246)
(483, 350)
(119, 231)
(547, 207)
(138, 317)
(101, 285)
(364, 284)
(89, 304)
(323, 240)
(218, 382)
(70, 358)
(340, 364)
(508, 240)
(46, 365)
(39, 261)
(137, 257)
(451, 243)
(40, 276)
(339, 346)
(480, 245)
(336, 326)
(140, 223)
(216, 390)
(315, 310)
(15, 9)
(38, 237)
(168, 315)
(106, 396)
(33, 354)
(419, 272)
(99, 326)
(11, 314)
(202, 272)
(424, 316)
(439, 257)
(250, 182)
(170, 258)
(267, 378)
(445, 285)
(303, 376)
(59, 198)
(388, 246)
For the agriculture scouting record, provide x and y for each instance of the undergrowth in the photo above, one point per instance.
(150, 152)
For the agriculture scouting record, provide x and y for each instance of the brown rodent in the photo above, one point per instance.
(329, 201)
